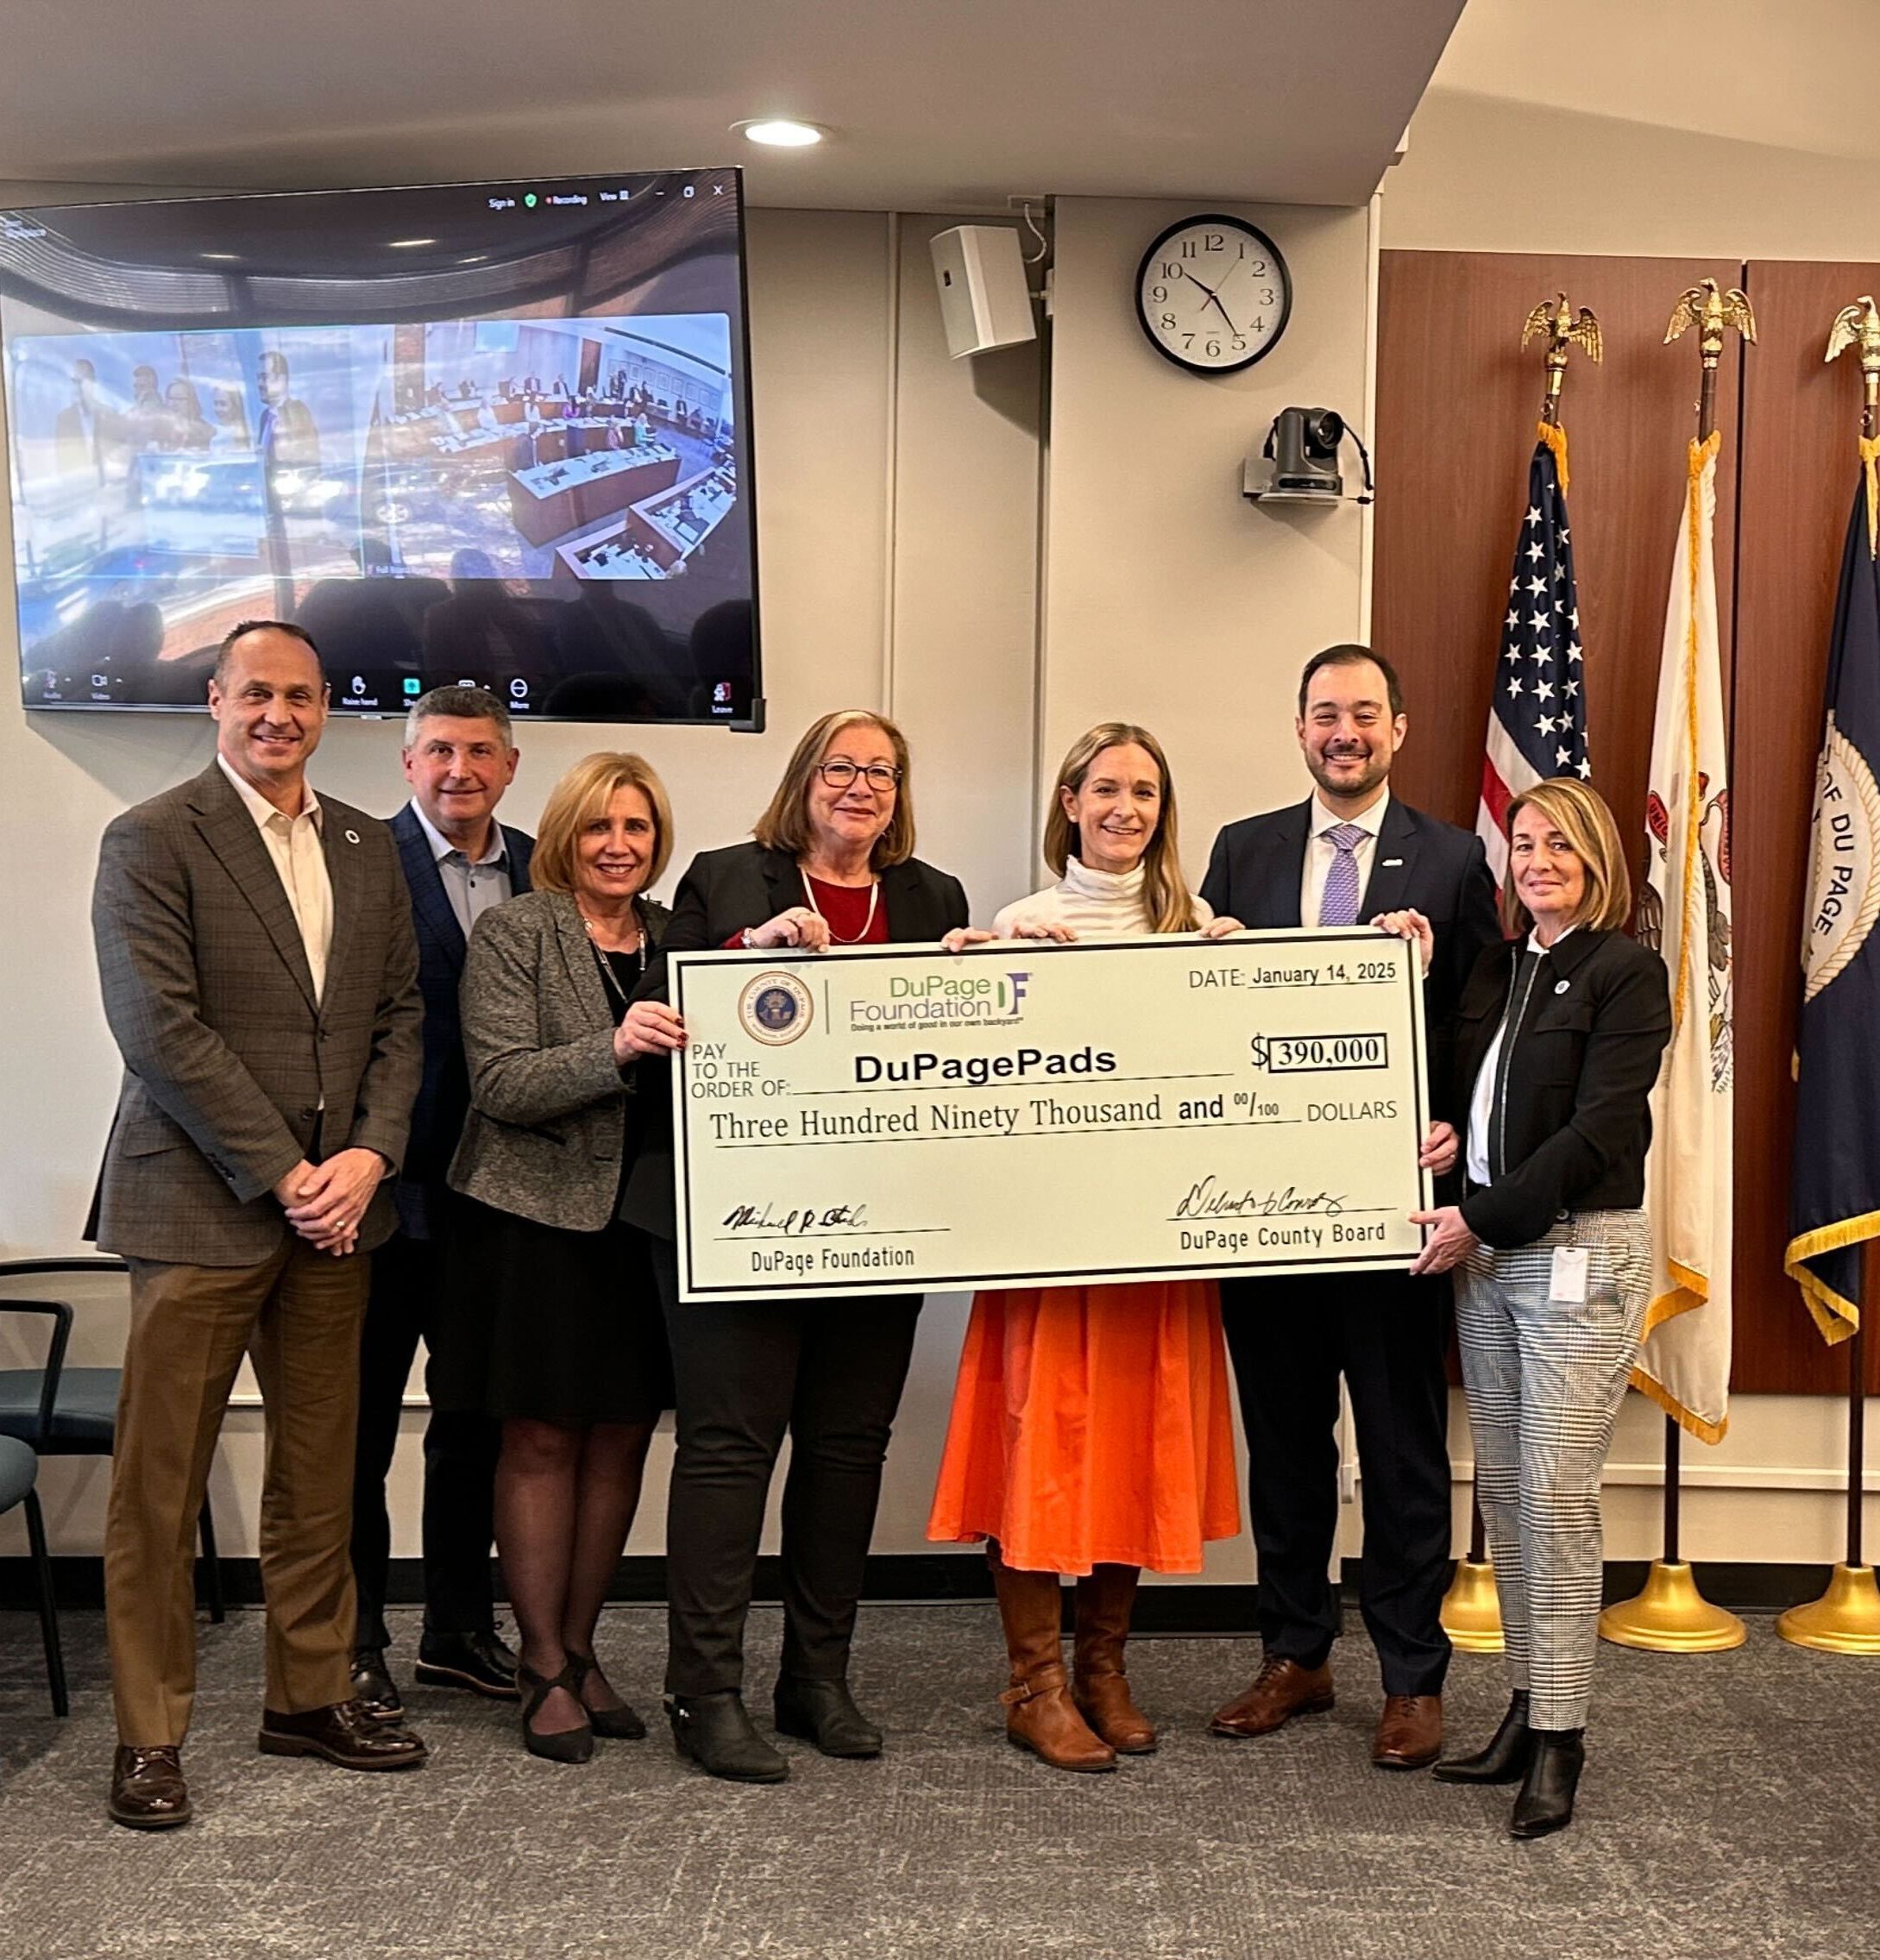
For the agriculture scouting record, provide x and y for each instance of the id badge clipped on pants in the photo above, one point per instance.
(1567, 1284)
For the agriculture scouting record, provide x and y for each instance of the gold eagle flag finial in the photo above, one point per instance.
(1555, 319)
(1858, 325)
(1713, 311)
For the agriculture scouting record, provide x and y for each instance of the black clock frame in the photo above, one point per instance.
(1272, 340)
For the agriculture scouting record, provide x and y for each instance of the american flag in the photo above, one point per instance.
(1538, 720)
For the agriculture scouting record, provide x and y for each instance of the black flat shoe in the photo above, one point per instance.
(1545, 1803)
(373, 1685)
(619, 1724)
(561, 1745)
(714, 1731)
(1506, 1758)
(478, 1662)
(823, 1712)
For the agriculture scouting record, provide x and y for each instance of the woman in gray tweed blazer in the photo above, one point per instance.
(559, 1333)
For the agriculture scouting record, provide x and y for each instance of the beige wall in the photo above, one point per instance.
(1169, 599)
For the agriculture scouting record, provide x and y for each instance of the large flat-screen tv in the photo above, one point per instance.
(496, 433)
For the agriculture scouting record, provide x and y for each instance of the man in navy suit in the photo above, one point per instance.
(458, 861)
(1351, 852)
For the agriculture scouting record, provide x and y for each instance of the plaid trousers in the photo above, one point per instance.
(1545, 1380)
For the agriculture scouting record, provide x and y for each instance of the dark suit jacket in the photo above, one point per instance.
(1575, 1122)
(228, 1060)
(1419, 862)
(443, 1097)
(721, 893)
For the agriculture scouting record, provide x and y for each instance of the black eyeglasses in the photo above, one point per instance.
(841, 773)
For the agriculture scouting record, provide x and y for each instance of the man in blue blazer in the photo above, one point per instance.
(458, 861)
(1351, 852)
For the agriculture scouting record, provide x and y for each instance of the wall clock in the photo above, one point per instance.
(1213, 294)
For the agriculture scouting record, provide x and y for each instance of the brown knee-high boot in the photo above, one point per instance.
(1101, 1688)
(1040, 1714)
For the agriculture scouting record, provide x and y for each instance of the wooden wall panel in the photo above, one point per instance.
(1457, 400)
(1799, 467)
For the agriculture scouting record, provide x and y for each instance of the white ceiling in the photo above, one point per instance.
(937, 104)
(1795, 75)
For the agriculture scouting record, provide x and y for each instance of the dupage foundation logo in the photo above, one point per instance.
(925, 1003)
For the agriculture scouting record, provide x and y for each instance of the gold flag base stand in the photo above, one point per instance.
(1845, 1620)
(1671, 1616)
(1471, 1609)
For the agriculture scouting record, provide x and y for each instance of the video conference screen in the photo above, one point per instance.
(487, 433)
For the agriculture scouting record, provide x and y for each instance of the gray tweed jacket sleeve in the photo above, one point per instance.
(547, 1127)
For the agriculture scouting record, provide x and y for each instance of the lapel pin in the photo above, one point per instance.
(352, 836)
(1389, 862)
(1561, 986)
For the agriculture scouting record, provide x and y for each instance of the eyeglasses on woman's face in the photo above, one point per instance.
(840, 772)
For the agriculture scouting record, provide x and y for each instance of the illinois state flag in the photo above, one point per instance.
(1684, 911)
(1834, 1186)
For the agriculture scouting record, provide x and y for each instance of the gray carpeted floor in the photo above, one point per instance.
(1732, 1807)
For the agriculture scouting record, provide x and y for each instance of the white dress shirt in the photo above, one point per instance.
(1320, 852)
(471, 885)
(293, 842)
(1481, 1103)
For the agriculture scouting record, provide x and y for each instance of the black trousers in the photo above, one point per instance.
(828, 1373)
(1385, 1332)
(460, 1457)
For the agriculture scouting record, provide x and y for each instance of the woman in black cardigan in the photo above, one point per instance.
(832, 863)
(1558, 1041)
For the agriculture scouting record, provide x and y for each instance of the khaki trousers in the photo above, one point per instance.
(298, 1314)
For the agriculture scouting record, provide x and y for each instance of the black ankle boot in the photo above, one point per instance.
(1506, 1758)
(823, 1712)
(714, 1731)
(1545, 1803)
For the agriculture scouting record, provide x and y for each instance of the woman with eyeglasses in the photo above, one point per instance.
(831, 863)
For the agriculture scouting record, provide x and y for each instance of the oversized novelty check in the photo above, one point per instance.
(893, 1120)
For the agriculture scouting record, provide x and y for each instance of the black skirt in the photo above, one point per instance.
(548, 1324)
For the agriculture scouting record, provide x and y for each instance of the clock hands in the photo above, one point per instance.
(1214, 297)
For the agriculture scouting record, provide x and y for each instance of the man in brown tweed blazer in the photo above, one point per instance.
(260, 976)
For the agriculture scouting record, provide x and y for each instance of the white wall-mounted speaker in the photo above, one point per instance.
(984, 298)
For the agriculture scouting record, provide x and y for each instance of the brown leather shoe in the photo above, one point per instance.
(344, 1733)
(1409, 1732)
(1280, 1691)
(1040, 1714)
(1099, 1686)
(147, 1790)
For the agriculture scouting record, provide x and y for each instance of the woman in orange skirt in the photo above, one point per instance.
(1091, 1432)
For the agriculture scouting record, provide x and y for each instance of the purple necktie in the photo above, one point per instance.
(1339, 906)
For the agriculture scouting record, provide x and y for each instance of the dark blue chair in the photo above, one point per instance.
(83, 1420)
(19, 1472)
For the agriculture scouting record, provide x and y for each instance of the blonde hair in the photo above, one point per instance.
(1578, 812)
(784, 825)
(581, 795)
(1166, 896)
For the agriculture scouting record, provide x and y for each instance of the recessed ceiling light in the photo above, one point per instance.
(405, 244)
(781, 132)
(228, 257)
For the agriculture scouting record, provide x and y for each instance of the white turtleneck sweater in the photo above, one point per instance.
(1095, 905)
